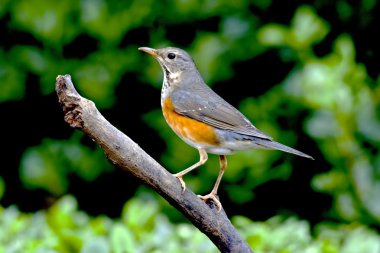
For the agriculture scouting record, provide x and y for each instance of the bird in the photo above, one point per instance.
(202, 118)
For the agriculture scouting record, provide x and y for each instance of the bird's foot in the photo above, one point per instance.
(183, 184)
(212, 196)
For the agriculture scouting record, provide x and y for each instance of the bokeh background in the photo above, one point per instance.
(305, 72)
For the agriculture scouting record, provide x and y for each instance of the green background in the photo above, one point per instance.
(305, 72)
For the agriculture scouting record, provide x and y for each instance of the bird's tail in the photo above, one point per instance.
(275, 145)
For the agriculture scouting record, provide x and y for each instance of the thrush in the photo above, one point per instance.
(203, 119)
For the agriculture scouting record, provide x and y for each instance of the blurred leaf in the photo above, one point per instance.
(307, 28)
(368, 4)
(48, 165)
(208, 52)
(109, 21)
(38, 170)
(31, 58)
(318, 128)
(332, 182)
(4, 5)
(351, 238)
(61, 214)
(344, 10)
(367, 121)
(96, 245)
(98, 76)
(136, 217)
(273, 35)
(263, 4)
(367, 187)
(235, 27)
(49, 21)
(346, 206)
(12, 85)
(239, 194)
(65, 229)
(343, 98)
(122, 239)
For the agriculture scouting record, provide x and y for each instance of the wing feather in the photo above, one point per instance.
(216, 112)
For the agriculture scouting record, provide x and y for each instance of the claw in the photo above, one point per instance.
(183, 184)
(212, 196)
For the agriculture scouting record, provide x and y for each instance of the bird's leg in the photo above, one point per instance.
(213, 193)
(203, 158)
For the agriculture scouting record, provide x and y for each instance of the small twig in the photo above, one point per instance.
(82, 114)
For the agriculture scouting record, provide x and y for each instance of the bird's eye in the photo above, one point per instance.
(171, 56)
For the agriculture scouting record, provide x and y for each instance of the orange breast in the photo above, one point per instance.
(188, 128)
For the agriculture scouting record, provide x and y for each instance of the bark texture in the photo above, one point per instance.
(125, 154)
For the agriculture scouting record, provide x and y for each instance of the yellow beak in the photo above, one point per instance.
(148, 50)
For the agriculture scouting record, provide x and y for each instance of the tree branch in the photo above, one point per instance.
(82, 114)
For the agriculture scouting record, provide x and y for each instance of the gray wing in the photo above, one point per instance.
(216, 112)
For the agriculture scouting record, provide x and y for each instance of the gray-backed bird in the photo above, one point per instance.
(203, 119)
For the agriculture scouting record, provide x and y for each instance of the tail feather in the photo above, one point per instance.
(275, 145)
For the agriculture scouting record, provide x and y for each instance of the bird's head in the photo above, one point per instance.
(174, 61)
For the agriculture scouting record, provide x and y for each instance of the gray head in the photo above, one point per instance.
(173, 60)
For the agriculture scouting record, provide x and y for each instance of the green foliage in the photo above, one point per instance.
(343, 110)
(305, 30)
(63, 228)
(12, 87)
(46, 20)
(292, 235)
(48, 165)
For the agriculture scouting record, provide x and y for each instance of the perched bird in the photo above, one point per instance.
(202, 118)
